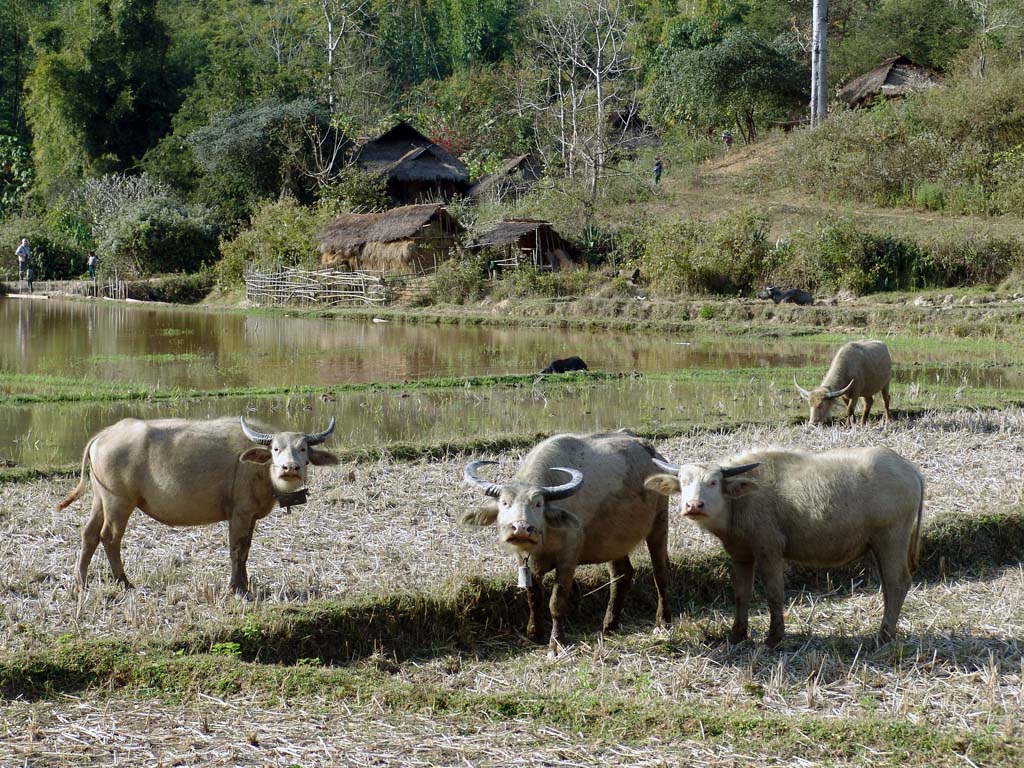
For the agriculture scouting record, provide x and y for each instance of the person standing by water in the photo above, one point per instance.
(657, 169)
(24, 253)
(91, 263)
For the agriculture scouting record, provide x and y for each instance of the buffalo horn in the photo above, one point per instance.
(803, 392)
(730, 471)
(319, 437)
(489, 489)
(672, 469)
(556, 492)
(257, 437)
(834, 393)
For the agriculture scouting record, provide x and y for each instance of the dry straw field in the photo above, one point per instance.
(383, 633)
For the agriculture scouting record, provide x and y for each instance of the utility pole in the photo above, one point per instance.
(819, 81)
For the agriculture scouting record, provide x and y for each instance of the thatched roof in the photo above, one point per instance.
(895, 77)
(405, 154)
(632, 132)
(520, 170)
(509, 231)
(351, 230)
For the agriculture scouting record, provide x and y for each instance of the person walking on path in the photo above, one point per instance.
(657, 169)
(91, 262)
(24, 253)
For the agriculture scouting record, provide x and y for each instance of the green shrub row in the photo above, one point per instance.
(733, 255)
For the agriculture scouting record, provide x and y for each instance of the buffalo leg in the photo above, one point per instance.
(621, 573)
(90, 540)
(774, 585)
(240, 532)
(558, 605)
(535, 602)
(894, 571)
(868, 400)
(115, 521)
(851, 407)
(885, 403)
(657, 545)
(743, 588)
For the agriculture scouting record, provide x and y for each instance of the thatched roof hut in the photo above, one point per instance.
(894, 78)
(630, 132)
(410, 239)
(514, 178)
(526, 241)
(417, 170)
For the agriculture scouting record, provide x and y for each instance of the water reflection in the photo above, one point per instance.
(167, 347)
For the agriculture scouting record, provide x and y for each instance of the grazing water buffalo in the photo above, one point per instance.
(564, 366)
(605, 512)
(859, 369)
(183, 472)
(786, 295)
(820, 509)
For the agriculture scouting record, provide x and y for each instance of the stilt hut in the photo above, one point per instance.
(412, 239)
(416, 169)
(520, 242)
(893, 79)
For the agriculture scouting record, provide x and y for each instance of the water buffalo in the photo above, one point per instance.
(786, 295)
(183, 472)
(859, 369)
(564, 366)
(820, 509)
(605, 512)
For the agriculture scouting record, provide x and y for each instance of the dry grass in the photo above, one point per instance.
(389, 527)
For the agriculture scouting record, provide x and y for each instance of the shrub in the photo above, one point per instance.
(54, 257)
(282, 233)
(460, 279)
(730, 255)
(158, 235)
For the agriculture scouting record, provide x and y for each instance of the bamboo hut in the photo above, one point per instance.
(416, 169)
(893, 79)
(518, 242)
(515, 177)
(412, 239)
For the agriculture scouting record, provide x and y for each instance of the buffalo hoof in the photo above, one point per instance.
(610, 627)
(885, 636)
(772, 640)
(735, 638)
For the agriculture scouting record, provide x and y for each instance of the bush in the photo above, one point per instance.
(526, 282)
(460, 279)
(53, 256)
(728, 256)
(156, 235)
(282, 233)
(839, 256)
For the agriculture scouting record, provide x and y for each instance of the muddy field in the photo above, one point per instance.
(372, 532)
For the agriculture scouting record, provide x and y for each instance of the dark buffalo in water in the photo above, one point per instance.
(564, 366)
(786, 295)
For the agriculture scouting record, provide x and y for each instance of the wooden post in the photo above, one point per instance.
(819, 80)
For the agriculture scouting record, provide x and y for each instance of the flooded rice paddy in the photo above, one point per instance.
(679, 380)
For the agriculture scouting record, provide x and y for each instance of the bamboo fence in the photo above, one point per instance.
(329, 287)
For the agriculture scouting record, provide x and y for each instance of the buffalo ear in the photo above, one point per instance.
(734, 487)
(320, 458)
(557, 517)
(256, 456)
(485, 514)
(666, 485)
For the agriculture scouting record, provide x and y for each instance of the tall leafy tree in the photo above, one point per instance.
(101, 92)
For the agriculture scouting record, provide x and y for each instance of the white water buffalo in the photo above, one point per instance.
(822, 509)
(183, 472)
(605, 513)
(859, 369)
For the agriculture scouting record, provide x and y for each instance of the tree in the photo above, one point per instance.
(100, 94)
(586, 73)
(739, 79)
